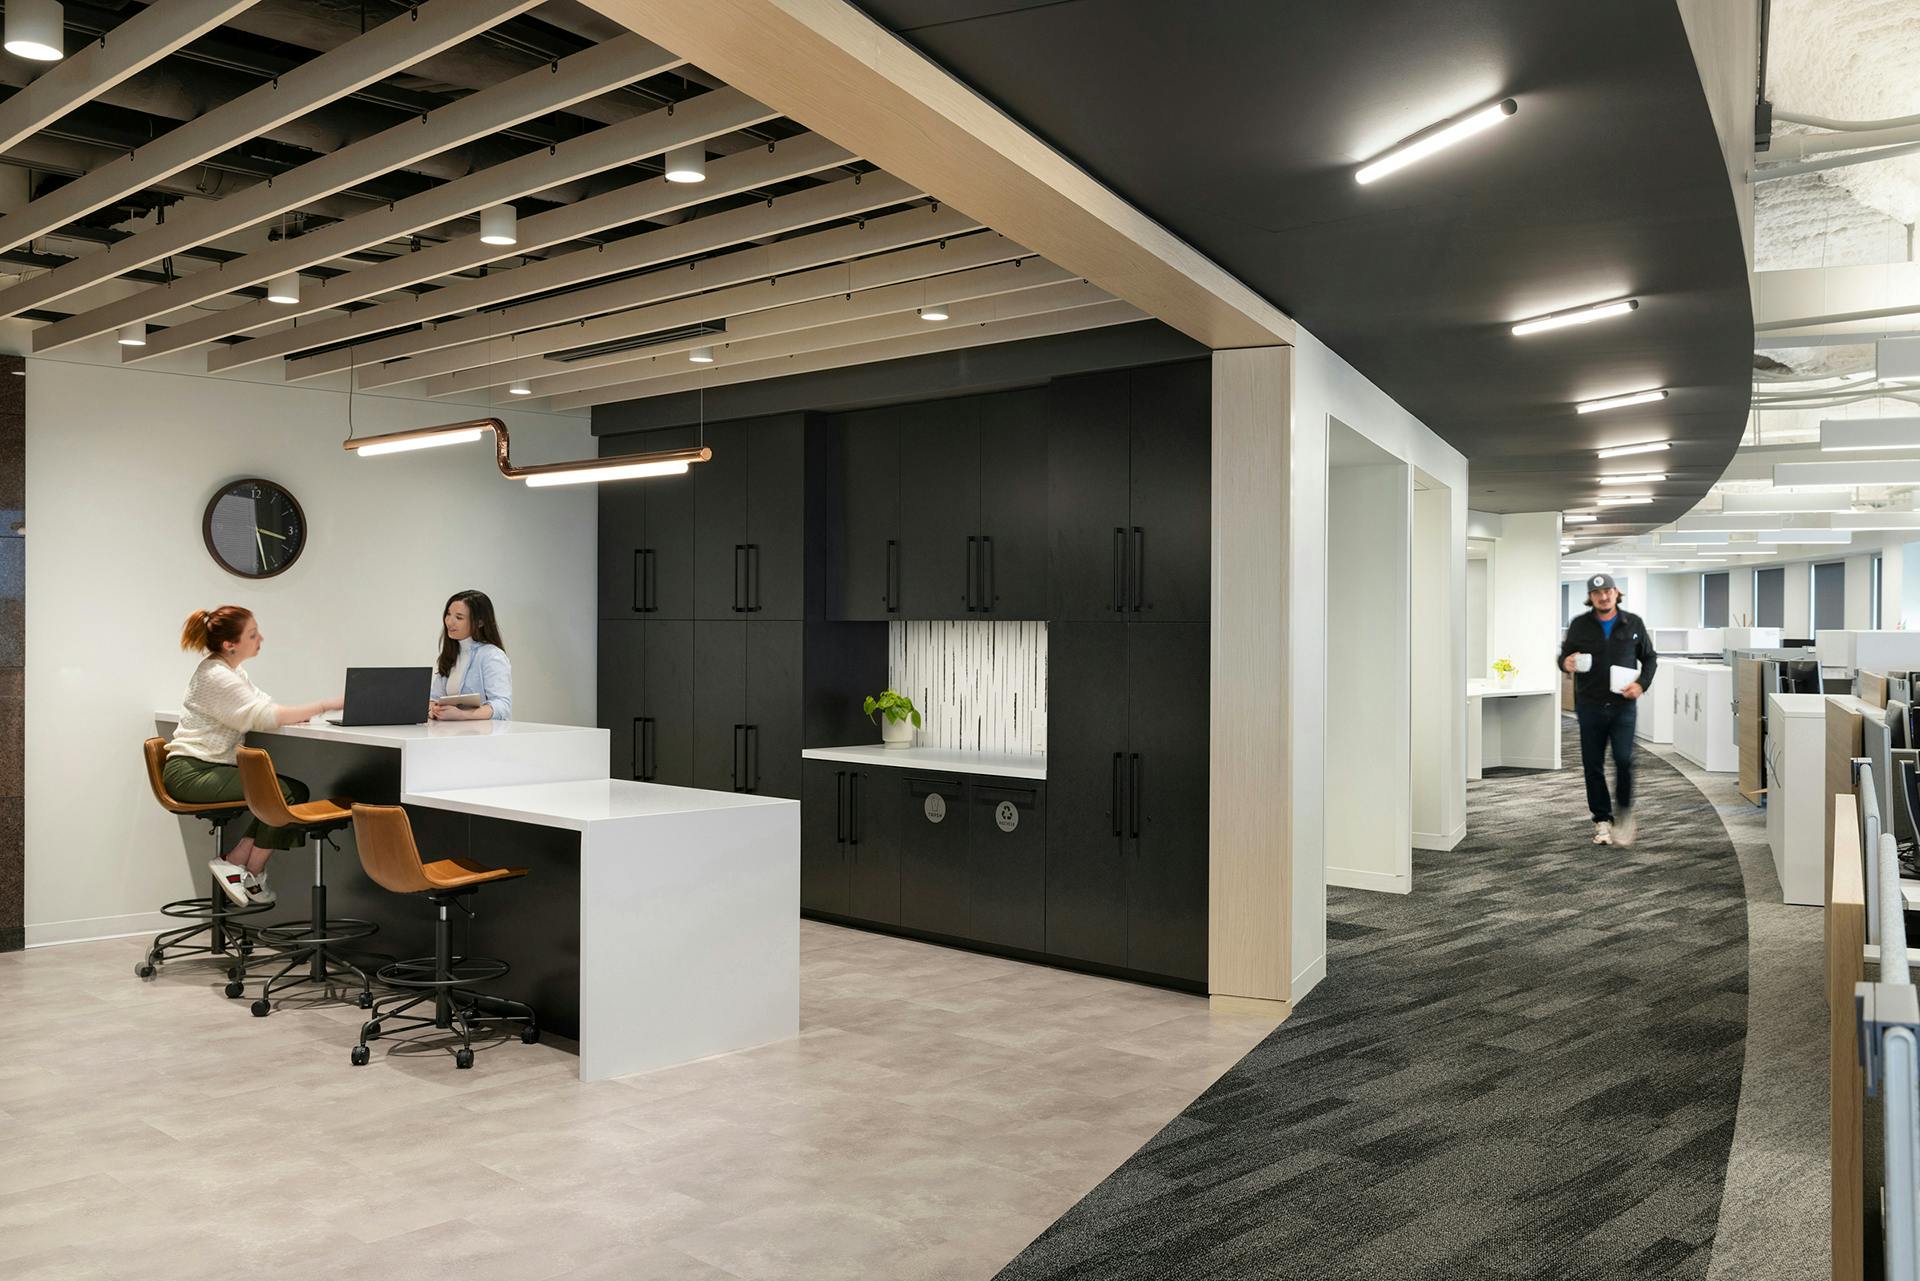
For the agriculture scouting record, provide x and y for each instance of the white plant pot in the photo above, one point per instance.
(1504, 679)
(896, 733)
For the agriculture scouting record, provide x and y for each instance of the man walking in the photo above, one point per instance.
(1610, 653)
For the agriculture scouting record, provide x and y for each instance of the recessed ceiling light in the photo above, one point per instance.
(1634, 478)
(1578, 316)
(1621, 402)
(36, 30)
(1436, 139)
(1577, 518)
(1622, 451)
(1625, 500)
(499, 225)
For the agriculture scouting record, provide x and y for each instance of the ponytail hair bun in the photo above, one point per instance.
(208, 630)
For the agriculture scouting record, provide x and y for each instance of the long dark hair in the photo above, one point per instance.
(485, 630)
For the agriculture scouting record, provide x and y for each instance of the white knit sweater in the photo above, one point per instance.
(220, 708)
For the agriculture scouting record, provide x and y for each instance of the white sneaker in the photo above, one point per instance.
(257, 891)
(1624, 828)
(232, 878)
(1603, 833)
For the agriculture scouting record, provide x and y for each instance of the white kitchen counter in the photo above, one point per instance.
(1001, 764)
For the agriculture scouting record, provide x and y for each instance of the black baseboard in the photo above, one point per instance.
(13, 938)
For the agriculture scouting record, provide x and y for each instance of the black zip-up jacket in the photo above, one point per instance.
(1631, 645)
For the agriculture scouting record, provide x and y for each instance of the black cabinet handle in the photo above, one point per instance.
(973, 557)
(1018, 795)
(738, 735)
(1133, 795)
(1119, 573)
(892, 597)
(753, 758)
(739, 577)
(986, 574)
(639, 580)
(753, 578)
(853, 810)
(839, 807)
(1139, 569)
(648, 732)
(1114, 800)
(639, 771)
(652, 579)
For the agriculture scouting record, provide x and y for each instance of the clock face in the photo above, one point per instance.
(254, 528)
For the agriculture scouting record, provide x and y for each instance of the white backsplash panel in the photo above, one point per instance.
(980, 687)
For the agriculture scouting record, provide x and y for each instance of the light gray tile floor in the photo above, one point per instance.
(939, 1109)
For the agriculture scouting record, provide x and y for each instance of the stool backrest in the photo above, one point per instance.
(387, 852)
(156, 753)
(261, 787)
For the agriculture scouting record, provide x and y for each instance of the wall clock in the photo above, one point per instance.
(254, 528)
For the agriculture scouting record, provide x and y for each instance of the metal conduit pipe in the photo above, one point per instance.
(1828, 122)
(1838, 317)
(1795, 146)
(1832, 162)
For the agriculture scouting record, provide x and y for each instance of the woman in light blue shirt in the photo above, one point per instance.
(472, 661)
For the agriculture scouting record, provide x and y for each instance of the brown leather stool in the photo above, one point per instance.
(216, 916)
(388, 852)
(316, 940)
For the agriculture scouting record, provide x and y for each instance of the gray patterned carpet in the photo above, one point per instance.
(1527, 1068)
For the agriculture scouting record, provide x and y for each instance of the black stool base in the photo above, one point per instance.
(220, 920)
(455, 1005)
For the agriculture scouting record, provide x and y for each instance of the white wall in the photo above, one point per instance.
(120, 464)
(1525, 581)
(1326, 386)
(1859, 592)
(1434, 666)
(1479, 611)
(1797, 620)
(1369, 792)
(1673, 600)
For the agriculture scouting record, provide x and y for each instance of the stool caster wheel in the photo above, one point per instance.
(371, 1031)
(145, 969)
(233, 989)
(233, 974)
(365, 999)
(262, 1008)
(360, 1055)
(463, 1057)
(529, 1035)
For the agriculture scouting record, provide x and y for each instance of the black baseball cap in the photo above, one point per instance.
(1600, 583)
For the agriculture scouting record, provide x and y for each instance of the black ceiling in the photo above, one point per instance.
(1239, 123)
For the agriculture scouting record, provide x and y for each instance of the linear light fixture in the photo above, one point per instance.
(1438, 138)
(1845, 435)
(499, 225)
(1578, 518)
(1624, 500)
(1634, 478)
(664, 462)
(1621, 402)
(36, 30)
(1847, 474)
(1622, 451)
(1578, 316)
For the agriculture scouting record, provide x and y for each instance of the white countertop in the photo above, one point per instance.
(401, 735)
(583, 803)
(1002, 764)
(1487, 689)
(1799, 704)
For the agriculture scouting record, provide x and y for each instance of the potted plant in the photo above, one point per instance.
(898, 717)
(1503, 670)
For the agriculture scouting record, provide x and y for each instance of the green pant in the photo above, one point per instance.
(202, 782)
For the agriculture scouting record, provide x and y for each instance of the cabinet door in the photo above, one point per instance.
(933, 854)
(1086, 899)
(865, 499)
(670, 684)
(874, 844)
(1168, 538)
(720, 524)
(1166, 821)
(773, 705)
(823, 837)
(719, 704)
(670, 543)
(623, 540)
(939, 509)
(1007, 863)
(1088, 505)
(622, 664)
(1013, 504)
(776, 518)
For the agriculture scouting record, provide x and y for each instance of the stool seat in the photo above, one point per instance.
(458, 873)
(155, 750)
(315, 813)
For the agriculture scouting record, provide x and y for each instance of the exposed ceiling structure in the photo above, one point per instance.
(1240, 127)
(1830, 242)
(313, 188)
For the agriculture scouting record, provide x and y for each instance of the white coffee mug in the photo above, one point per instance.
(1583, 662)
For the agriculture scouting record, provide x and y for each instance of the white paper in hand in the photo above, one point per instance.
(1618, 678)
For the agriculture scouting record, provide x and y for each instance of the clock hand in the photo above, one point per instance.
(269, 533)
(263, 548)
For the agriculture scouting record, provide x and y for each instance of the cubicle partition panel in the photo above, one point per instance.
(13, 622)
(1846, 937)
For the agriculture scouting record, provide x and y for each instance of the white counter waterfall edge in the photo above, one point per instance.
(689, 899)
(938, 759)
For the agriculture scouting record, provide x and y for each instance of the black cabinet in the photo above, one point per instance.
(1128, 497)
(849, 854)
(1007, 863)
(719, 704)
(1011, 556)
(749, 535)
(933, 854)
(646, 548)
(646, 699)
(939, 510)
(746, 694)
(1127, 777)
(862, 504)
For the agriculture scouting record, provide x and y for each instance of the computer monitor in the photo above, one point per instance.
(1897, 722)
(1800, 677)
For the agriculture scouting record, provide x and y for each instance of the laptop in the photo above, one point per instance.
(386, 696)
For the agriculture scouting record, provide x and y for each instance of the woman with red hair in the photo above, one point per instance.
(221, 707)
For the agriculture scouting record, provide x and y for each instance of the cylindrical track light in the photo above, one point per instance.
(498, 226)
(933, 311)
(285, 289)
(134, 335)
(701, 355)
(519, 388)
(36, 30)
(687, 164)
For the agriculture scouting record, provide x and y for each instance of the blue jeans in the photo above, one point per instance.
(1601, 724)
